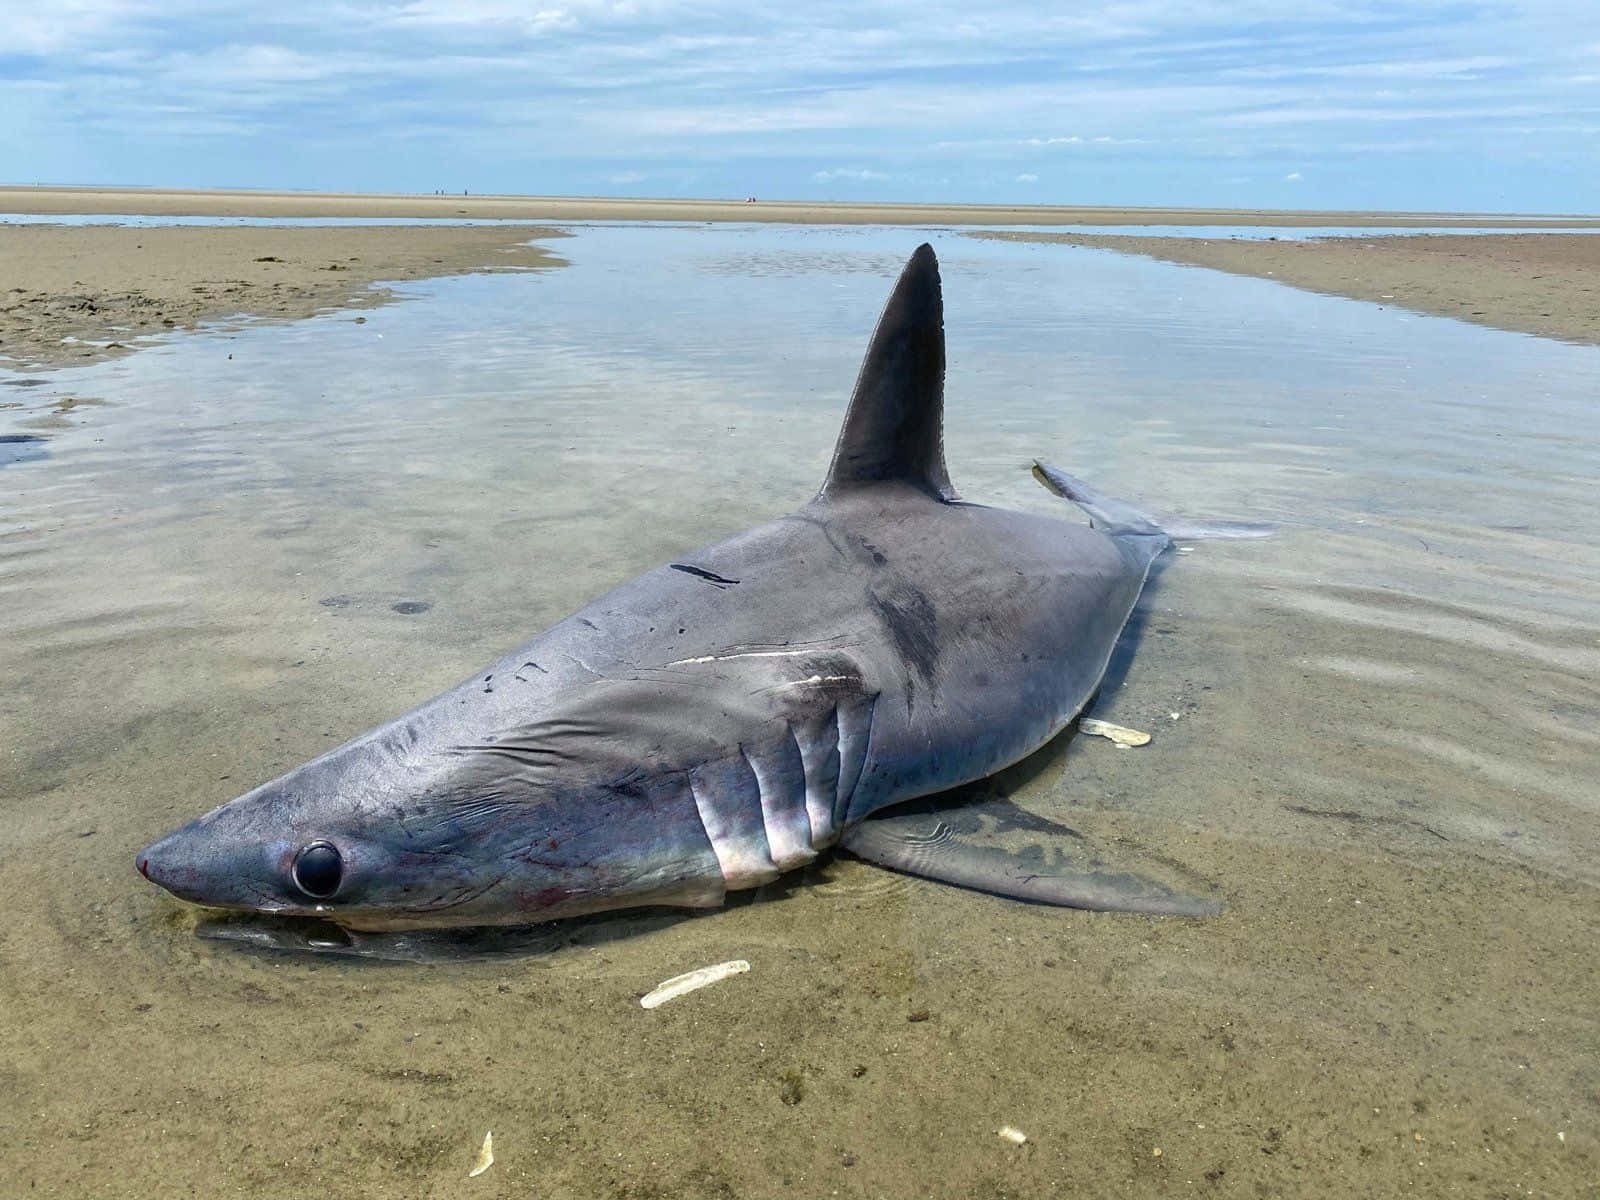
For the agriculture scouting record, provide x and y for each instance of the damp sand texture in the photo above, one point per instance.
(1542, 283)
(80, 293)
(1383, 760)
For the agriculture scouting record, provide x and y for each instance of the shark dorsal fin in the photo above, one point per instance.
(894, 431)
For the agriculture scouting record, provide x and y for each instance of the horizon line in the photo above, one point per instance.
(309, 202)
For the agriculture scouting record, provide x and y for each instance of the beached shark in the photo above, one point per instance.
(732, 715)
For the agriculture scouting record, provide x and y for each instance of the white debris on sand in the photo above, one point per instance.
(485, 1156)
(1120, 734)
(680, 985)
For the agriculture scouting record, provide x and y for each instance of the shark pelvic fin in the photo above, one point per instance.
(894, 430)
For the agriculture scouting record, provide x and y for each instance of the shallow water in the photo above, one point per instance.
(231, 551)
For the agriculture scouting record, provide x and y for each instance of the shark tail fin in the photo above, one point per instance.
(894, 430)
(1113, 517)
(1120, 519)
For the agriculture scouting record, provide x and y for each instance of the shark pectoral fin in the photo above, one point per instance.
(929, 846)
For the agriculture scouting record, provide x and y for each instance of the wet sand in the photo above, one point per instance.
(106, 286)
(1542, 283)
(1381, 765)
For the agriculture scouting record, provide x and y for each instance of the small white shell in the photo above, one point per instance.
(1120, 734)
(680, 985)
(485, 1156)
(1012, 1134)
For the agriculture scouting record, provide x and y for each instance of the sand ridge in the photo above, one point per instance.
(1541, 283)
(107, 286)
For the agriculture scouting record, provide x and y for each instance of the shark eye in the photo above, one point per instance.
(317, 870)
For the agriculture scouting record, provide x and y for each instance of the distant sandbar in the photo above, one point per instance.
(1541, 283)
(80, 201)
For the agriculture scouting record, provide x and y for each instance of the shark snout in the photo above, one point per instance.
(191, 865)
(164, 863)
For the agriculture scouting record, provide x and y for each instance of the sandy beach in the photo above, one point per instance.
(1373, 733)
(106, 286)
(1542, 283)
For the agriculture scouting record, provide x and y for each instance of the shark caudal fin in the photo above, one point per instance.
(894, 430)
(1119, 519)
(1112, 517)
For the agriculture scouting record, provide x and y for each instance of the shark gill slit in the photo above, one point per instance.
(781, 786)
(818, 744)
(728, 797)
(854, 723)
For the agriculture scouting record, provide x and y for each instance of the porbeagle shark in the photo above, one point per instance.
(730, 716)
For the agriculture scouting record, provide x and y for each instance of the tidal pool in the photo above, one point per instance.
(1376, 735)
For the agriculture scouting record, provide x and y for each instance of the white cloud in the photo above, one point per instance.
(525, 96)
(1027, 177)
(1419, 69)
(44, 29)
(1292, 177)
(1360, 114)
(854, 174)
(480, 16)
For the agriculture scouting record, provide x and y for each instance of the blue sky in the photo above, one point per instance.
(1302, 104)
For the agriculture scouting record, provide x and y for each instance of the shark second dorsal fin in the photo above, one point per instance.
(894, 431)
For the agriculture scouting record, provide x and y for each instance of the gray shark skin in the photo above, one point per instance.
(729, 716)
